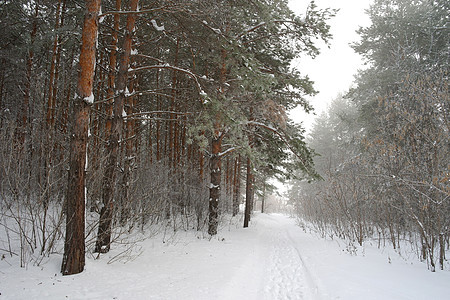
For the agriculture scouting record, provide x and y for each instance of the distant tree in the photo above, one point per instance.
(409, 156)
(407, 49)
(382, 155)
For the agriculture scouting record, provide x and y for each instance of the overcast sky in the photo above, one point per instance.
(333, 70)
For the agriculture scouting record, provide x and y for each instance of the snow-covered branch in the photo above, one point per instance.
(127, 12)
(229, 150)
(170, 67)
(146, 113)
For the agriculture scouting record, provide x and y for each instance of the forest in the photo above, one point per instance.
(116, 116)
(384, 145)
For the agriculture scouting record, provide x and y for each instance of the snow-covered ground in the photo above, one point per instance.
(274, 259)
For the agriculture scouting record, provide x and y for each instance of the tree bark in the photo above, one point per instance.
(51, 102)
(74, 244)
(130, 154)
(172, 116)
(214, 188)
(215, 160)
(248, 193)
(106, 213)
(22, 118)
(236, 185)
(263, 199)
(112, 70)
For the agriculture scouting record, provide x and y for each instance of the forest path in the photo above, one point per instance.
(273, 264)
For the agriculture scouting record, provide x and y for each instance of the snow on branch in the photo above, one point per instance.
(156, 26)
(127, 12)
(229, 150)
(215, 30)
(167, 66)
(90, 99)
(146, 113)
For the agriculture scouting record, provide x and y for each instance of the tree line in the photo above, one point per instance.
(384, 145)
(115, 115)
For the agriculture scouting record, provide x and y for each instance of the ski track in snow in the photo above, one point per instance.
(287, 273)
(279, 269)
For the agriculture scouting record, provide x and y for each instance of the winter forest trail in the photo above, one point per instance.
(272, 260)
(273, 266)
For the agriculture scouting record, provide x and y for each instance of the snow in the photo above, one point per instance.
(89, 99)
(273, 259)
(213, 186)
(102, 18)
(156, 26)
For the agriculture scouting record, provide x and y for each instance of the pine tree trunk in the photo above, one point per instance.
(214, 188)
(248, 194)
(51, 101)
(106, 213)
(158, 122)
(2, 86)
(237, 183)
(22, 117)
(74, 244)
(130, 154)
(65, 103)
(215, 159)
(263, 199)
(172, 116)
(112, 69)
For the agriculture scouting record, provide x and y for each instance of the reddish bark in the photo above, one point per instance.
(74, 244)
(112, 70)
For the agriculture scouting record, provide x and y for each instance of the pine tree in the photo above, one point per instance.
(74, 245)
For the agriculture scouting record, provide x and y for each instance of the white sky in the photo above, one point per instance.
(333, 70)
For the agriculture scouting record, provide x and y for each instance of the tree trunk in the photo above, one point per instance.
(215, 160)
(248, 193)
(263, 198)
(214, 188)
(158, 122)
(112, 70)
(74, 244)
(130, 155)
(236, 185)
(51, 101)
(172, 116)
(106, 213)
(22, 117)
